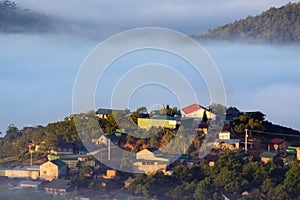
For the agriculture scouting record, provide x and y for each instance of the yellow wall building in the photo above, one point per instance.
(53, 169)
(298, 153)
(147, 123)
(150, 160)
(27, 172)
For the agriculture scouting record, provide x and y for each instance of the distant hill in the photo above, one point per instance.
(14, 19)
(274, 25)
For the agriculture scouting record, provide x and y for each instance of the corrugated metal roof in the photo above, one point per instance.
(27, 182)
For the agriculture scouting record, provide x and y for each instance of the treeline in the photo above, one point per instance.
(274, 25)
(14, 19)
(16, 142)
(231, 174)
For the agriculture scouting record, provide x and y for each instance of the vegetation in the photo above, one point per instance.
(274, 25)
(15, 145)
(230, 174)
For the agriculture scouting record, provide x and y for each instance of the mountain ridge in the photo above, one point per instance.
(273, 25)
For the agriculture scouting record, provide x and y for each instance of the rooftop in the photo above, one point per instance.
(230, 141)
(58, 162)
(268, 154)
(27, 182)
(23, 168)
(192, 108)
(59, 184)
(277, 141)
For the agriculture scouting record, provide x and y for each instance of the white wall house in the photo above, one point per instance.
(196, 111)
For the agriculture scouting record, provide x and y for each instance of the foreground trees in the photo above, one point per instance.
(230, 174)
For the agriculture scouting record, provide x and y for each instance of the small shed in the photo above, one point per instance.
(267, 156)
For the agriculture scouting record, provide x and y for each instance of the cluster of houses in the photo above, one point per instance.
(64, 160)
(46, 175)
(151, 159)
(50, 175)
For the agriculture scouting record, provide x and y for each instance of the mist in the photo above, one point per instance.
(38, 69)
(104, 18)
(38, 72)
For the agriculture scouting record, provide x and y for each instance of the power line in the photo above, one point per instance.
(272, 133)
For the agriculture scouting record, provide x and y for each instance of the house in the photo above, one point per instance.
(110, 173)
(63, 148)
(30, 184)
(147, 166)
(231, 144)
(291, 151)
(115, 138)
(150, 160)
(212, 159)
(102, 113)
(58, 186)
(27, 172)
(2, 171)
(147, 123)
(267, 156)
(224, 135)
(75, 160)
(196, 111)
(53, 169)
(203, 127)
(103, 182)
(278, 144)
(151, 154)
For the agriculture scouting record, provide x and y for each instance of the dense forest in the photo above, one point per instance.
(274, 25)
(14, 19)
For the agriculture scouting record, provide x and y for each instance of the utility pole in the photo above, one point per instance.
(30, 151)
(246, 140)
(108, 149)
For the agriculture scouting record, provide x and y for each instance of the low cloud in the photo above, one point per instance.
(110, 16)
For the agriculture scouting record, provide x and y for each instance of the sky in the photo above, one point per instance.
(38, 70)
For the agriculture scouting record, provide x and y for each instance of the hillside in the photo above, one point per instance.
(15, 143)
(274, 25)
(14, 19)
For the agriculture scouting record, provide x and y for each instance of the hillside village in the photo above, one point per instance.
(67, 169)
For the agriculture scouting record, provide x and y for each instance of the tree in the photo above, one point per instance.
(204, 118)
(252, 121)
(233, 111)
(217, 108)
(292, 181)
(141, 109)
(203, 190)
(12, 133)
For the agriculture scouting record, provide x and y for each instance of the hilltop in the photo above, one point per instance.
(15, 143)
(274, 25)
